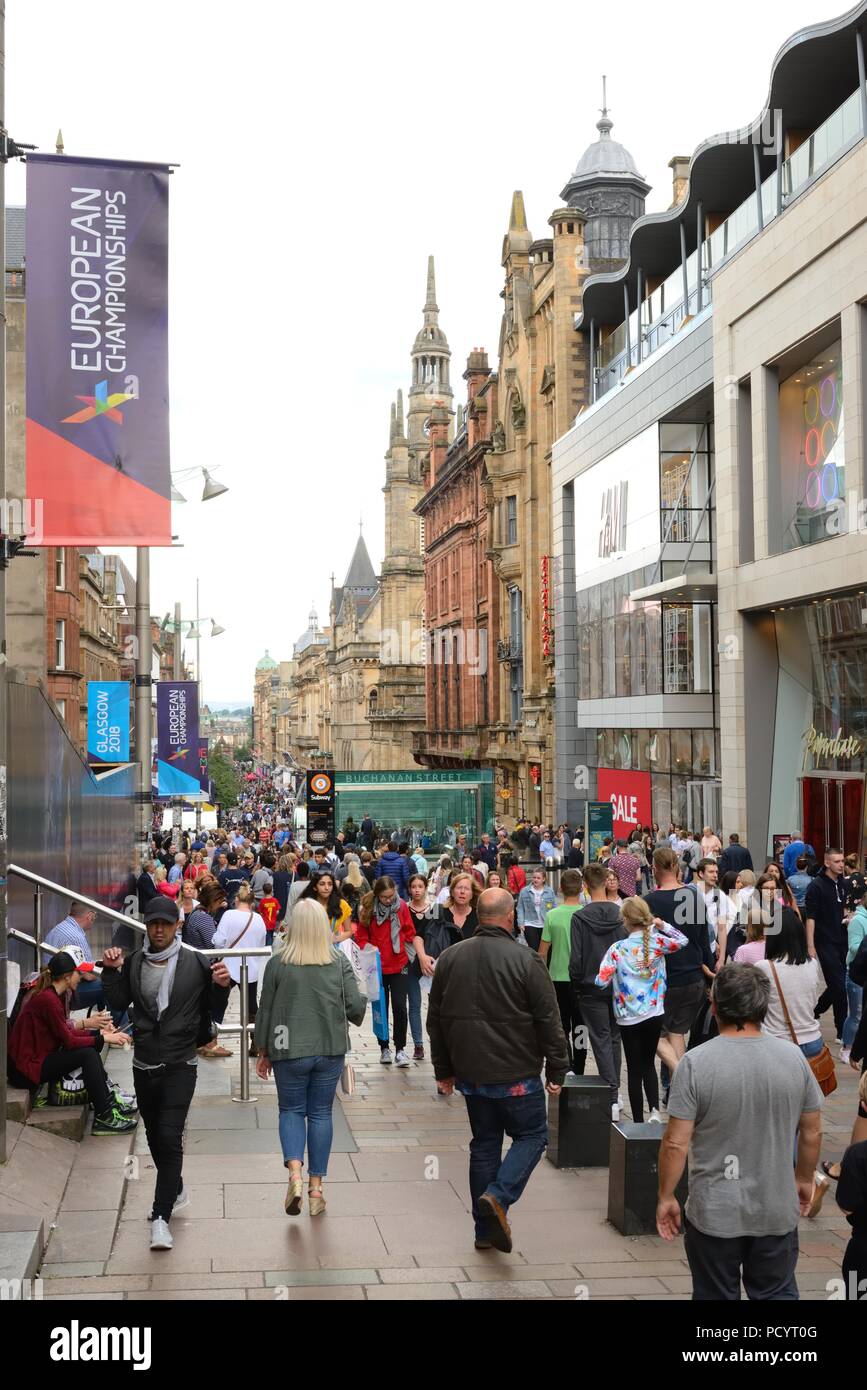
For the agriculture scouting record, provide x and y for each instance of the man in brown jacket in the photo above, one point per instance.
(494, 1024)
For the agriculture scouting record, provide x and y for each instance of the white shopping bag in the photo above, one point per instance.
(364, 967)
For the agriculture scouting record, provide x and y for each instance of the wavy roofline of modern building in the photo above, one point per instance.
(703, 173)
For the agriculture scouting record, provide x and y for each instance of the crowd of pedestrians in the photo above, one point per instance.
(668, 952)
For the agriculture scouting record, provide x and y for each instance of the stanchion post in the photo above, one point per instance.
(245, 1036)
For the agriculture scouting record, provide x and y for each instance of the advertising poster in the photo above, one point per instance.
(178, 739)
(108, 710)
(97, 437)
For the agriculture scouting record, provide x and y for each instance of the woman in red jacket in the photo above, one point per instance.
(44, 1045)
(385, 921)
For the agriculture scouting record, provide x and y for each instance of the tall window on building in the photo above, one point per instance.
(61, 708)
(444, 587)
(511, 520)
(60, 644)
(684, 478)
(516, 663)
(807, 466)
(482, 668)
(459, 718)
(456, 578)
(421, 535)
(60, 568)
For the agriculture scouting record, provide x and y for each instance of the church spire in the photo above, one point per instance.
(517, 215)
(431, 305)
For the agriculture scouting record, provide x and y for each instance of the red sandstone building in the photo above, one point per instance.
(460, 696)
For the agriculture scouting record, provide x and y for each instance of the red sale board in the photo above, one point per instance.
(629, 794)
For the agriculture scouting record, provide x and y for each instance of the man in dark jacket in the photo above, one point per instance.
(487, 852)
(170, 989)
(494, 1022)
(735, 857)
(394, 866)
(594, 928)
(367, 833)
(145, 885)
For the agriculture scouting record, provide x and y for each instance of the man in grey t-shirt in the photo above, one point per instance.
(735, 1106)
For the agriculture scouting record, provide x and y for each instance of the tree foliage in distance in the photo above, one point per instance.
(225, 779)
(244, 754)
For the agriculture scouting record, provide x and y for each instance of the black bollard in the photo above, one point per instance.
(579, 1121)
(633, 1177)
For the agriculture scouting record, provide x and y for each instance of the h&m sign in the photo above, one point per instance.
(612, 531)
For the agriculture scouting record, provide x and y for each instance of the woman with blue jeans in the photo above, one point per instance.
(309, 995)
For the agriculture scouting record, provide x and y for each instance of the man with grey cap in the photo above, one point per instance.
(172, 990)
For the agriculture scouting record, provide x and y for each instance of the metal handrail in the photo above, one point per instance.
(218, 952)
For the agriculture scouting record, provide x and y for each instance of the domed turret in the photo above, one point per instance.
(608, 189)
(267, 663)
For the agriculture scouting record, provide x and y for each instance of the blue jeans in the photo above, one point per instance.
(89, 994)
(854, 994)
(525, 1120)
(305, 1095)
(414, 1002)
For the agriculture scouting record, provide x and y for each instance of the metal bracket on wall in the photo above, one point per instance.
(10, 548)
(12, 149)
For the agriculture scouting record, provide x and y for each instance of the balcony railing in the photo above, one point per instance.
(661, 314)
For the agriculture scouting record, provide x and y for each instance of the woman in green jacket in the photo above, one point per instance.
(309, 994)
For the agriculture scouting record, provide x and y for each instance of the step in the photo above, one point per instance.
(66, 1121)
(20, 1258)
(18, 1104)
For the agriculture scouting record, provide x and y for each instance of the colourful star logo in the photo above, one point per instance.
(100, 403)
(181, 753)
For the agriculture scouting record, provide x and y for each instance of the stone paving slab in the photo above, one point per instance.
(81, 1235)
(378, 1293)
(206, 1201)
(363, 1199)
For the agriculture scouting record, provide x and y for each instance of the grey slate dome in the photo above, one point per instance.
(605, 157)
(607, 189)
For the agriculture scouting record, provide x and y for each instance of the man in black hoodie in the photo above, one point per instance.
(595, 927)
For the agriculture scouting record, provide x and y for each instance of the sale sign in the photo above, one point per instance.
(629, 794)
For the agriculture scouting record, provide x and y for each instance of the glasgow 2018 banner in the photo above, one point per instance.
(108, 722)
(97, 351)
(178, 739)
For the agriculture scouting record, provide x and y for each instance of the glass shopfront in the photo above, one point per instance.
(684, 768)
(627, 649)
(820, 754)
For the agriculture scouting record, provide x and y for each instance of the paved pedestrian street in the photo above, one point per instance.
(397, 1224)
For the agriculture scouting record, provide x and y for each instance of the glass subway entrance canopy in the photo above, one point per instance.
(417, 800)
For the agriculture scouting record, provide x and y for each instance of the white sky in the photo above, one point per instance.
(326, 150)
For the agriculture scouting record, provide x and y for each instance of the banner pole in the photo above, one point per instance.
(143, 696)
(177, 816)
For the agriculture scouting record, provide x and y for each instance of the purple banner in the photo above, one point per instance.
(97, 351)
(178, 738)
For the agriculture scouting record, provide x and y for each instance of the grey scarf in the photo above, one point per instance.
(156, 958)
(382, 912)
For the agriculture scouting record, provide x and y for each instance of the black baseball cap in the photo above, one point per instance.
(161, 909)
(62, 963)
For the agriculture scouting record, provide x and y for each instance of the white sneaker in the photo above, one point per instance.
(402, 1059)
(385, 1057)
(182, 1200)
(615, 1113)
(161, 1236)
(845, 1054)
(654, 1118)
